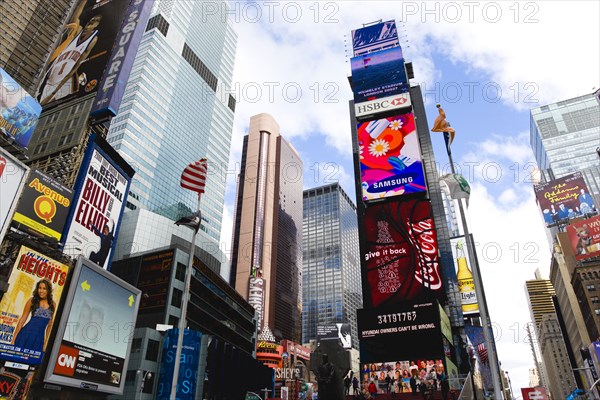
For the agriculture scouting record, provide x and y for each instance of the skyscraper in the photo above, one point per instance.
(565, 137)
(174, 110)
(266, 257)
(331, 287)
(28, 30)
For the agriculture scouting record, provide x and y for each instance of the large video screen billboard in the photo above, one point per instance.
(12, 179)
(154, 279)
(101, 194)
(93, 341)
(338, 331)
(374, 37)
(415, 325)
(390, 157)
(585, 238)
(29, 306)
(402, 372)
(400, 253)
(564, 198)
(188, 368)
(43, 207)
(77, 63)
(19, 112)
(379, 74)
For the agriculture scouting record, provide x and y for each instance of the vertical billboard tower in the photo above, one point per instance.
(400, 259)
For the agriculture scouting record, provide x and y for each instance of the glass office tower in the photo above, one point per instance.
(177, 109)
(565, 138)
(331, 288)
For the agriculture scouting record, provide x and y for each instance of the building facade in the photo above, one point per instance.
(29, 29)
(331, 286)
(554, 352)
(565, 137)
(266, 257)
(174, 111)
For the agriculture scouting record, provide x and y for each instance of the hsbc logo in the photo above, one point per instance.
(66, 361)
(380, 105)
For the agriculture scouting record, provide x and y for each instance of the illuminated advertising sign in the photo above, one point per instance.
(390, 157)
(14, 384)
(29, 306)
(92, 344)
(338, 331)
(375, 37)
(464, 274)
(417, 325)
(19, 112)
(12, 179)
(116, 74)
(537, 393)
(400, 253)
(76, 65)
(154, 279)
(43, 207)
(422, 369)
(188, 367)
(296, 349)
(101, 194)
(377, 75)
(564, 198)
(256, 298)
(585, 237)
(399, 101)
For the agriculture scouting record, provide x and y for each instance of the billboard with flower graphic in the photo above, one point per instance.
(390, 157)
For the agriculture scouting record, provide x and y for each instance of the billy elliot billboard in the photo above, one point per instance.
(564, 198)
(92, 345)
(43, 207)
(102, 187)
(77, 63)
(19, 112)
(377, 75)
(400, 253)
(585, 238)
(116, 74)
(374, 37)
(415, 325)
(390, 157)
(29, 306)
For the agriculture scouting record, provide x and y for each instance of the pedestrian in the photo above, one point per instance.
(347, 382)
(354, 385)
(413, 384)
(388, 383)
(373, 389)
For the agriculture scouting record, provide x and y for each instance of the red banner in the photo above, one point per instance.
(538, 393)
(401, 252)
(585, 238)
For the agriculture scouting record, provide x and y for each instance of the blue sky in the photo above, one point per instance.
(463, 55)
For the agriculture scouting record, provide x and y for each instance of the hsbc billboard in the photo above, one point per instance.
(398, 101)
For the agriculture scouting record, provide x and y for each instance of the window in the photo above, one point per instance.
(130, 376)
(136, 345)
(180, 273)
(591, 288)
(597, 311)
(173, 321)
(152, 350)
(176, 298)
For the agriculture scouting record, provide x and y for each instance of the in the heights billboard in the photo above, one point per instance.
(101, 194)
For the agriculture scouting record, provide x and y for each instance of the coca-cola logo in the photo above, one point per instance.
(428, 273)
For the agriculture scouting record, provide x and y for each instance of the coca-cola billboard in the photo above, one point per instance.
(399, 253)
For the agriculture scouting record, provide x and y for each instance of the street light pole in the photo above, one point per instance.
(145, 375)
(184, 305)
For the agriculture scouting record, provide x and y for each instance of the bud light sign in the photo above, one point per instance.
(188, 367)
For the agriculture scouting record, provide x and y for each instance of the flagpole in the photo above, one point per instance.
(480, 293)
(184, 305)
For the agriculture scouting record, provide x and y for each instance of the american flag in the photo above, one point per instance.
(483, 353)
(194, 176)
